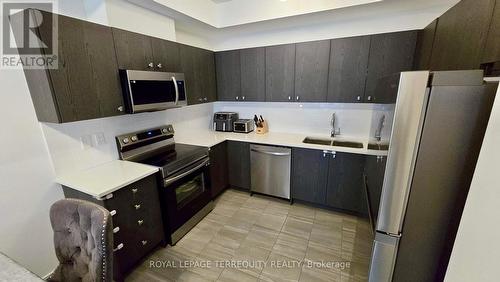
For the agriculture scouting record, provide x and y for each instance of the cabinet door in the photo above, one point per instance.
(238, 162)
(389, 53)
(218, 168)
(309, 175)
(374, 171)
(253, 67)
(280, 73)
(166, 55)
(133, 50)
(227, 64)
(86, 84)
(189, 56)
(491, 51)
(205, 74)
(461, 35)
(348, 66)
(311, 71)
(345, 182)
(425, 41)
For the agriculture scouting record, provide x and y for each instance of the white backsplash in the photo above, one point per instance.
(354, 120)
(68, 154)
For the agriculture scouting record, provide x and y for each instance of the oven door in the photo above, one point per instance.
(186, 193)
(153, 91)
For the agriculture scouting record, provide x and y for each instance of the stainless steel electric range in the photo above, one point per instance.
(184, 176)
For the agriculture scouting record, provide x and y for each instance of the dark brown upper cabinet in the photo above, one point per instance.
(461, 35)
(348, 66)
(253, 74)
(198, 67)
(280, 73)
(311, 71)
(228, 70)
(166, 55)
(133, 50)
(492, 49)
(390, 53)
(425, 42)
(86, 84)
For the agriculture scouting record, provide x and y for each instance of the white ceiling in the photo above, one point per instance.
(377, 17)
(226, 13)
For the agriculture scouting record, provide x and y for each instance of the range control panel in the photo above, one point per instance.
(140, 136)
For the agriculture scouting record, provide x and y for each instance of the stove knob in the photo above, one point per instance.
(133, 138)
(125, 140)
(164, 130)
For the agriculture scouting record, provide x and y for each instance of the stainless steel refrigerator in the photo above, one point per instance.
(438, 126)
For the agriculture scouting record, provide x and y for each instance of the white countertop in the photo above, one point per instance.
(211, 138)
(106, 178)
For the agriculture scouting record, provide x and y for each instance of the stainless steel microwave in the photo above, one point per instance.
(147, 91)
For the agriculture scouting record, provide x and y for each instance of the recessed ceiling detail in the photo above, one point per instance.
(226, 13)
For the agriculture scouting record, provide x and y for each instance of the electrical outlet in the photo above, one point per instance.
(99, 139)
(86, 142)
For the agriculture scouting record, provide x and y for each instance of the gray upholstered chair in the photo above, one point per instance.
(83, 239)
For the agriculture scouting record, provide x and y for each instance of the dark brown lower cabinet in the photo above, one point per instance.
(309, 175)
(218, 168)
(374, 172)
(137, 218)
(329, 178)
(345, 182)
(238, 162)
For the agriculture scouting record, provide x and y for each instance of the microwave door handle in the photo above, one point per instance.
(176, 90)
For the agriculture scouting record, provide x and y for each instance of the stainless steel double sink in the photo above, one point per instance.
(332, 142)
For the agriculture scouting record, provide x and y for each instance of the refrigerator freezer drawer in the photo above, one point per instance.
(385, 249)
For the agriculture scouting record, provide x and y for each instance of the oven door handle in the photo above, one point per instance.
(176, 90)
(172, 179)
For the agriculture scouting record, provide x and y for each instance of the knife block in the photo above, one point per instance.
(262, 130)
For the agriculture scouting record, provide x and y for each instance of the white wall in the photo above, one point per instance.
(476, 252)
(125, 15)
(354, 120)
(66, 149)
(27, 188)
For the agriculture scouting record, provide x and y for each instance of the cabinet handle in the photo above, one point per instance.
(151, 65)
(144, 242)
(120, 109)
(113, 212)
(358, 98)
(119, 247)
(134, 190)
(140, 222)
(159, 65)
(369, 98)
(297, 98)
(237, 97)
(137, 207)
(116, 229)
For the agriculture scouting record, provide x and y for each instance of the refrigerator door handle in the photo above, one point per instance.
(385, 249)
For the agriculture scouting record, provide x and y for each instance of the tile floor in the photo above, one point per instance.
(271, 239)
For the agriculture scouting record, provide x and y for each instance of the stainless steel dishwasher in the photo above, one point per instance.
(270, 170)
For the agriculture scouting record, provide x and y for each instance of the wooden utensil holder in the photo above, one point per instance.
(262, 130)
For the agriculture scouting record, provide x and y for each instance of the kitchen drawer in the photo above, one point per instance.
(136, 202)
